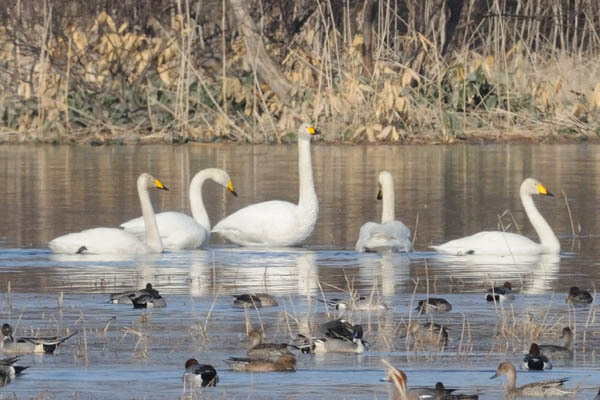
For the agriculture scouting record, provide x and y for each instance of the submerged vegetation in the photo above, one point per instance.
(364, 70)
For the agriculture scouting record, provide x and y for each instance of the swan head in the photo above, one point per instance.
(223, 179)
(148, 181)
(385, 180)
(306, 130)
(533, 186)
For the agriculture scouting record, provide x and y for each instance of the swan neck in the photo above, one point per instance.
(547, 237)
(308, 196)
(196, 202)
(387, 213)
(152, 236)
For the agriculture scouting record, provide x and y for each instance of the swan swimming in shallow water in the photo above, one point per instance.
(178, 230)
(278, 223)
(115, 240)
(390, 235)
(506, 243)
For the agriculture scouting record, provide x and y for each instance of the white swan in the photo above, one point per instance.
(179, 231)
(278, 223)
(506, 243)
(389, 236)
(115, 240)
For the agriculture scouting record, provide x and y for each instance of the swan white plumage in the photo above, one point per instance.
(179, 231)
(391, 235)
(506, 243)
(115, 240)
(278, 223)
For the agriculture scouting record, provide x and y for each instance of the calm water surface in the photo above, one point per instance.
(442, 193)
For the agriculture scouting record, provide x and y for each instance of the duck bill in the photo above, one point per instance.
(495, 376)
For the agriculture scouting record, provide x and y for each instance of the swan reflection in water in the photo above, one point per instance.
(281, 271)
(388, 271)
(537, 274)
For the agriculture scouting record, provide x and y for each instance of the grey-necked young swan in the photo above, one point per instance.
(115, 240)
(180, 231)
(506, 243)
(278, 223)
(390, 235)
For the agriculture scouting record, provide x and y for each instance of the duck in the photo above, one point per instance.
(124, 297)
(428, 334)
(434, 304)
(401, 392)
(579, 296)
(180, 231)
(114, 240)
(502, 293)
(266, 351)
(258, 300)
(203, 374)
(441, 393)
(8, 371)
(340, 329)
(26, 345)
(278, 223)
(560, 352)
(534, 360)
(148, 299)
(552, 388)
(285, 363)
(506, 243)
(335, 342)
(360, 303)
(390, 235)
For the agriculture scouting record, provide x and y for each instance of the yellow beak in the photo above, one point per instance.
(230, 188)
(158, 184)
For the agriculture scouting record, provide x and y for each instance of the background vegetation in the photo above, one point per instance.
(247, 70)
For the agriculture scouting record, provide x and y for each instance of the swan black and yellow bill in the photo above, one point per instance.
(542, 190)
(230, 188)
(379, 195)
(159, 185)
(313, 131)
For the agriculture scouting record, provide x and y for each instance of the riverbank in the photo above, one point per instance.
(132, 75)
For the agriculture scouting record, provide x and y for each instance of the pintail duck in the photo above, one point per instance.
(534, 360)
(148, 300)
(428, 334)
(579, 296)
(125, 297)
(203, 374)
(25, 345)
(335, 342)
(553, 388)
(401, 392)
(502, 293)
(266, 351)
(257, 300)
(441, 393)
(8, 371)
(434, 304)
(560, 352)
(339, 329)
(284, 363)
(361, 303)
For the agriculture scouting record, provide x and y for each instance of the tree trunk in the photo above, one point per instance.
(266, 69)
(368, 48)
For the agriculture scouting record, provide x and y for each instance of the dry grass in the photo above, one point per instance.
(516, 69)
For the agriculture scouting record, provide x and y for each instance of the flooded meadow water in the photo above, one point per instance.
(442, 193)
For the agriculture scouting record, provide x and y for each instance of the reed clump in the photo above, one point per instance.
(429, 71)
